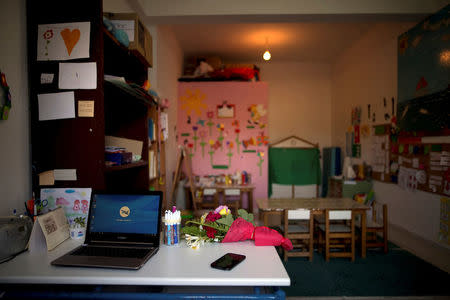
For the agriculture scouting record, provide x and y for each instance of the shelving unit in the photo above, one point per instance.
(120, 110)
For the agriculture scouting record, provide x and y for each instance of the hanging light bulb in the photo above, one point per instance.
(267, 54)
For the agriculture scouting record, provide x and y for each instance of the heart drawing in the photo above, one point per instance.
(70, 38)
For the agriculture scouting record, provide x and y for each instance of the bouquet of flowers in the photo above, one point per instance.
(220, 226)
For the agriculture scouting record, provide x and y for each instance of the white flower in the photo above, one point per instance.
(194, 241)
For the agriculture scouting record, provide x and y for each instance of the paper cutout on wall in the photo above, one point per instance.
(249, 142)
(261, 160)
(221, 128)
(256, 112)
(193, 101)
(63, 41)
(210, 115)
(201, 122)
(202, 141)
(225, 110)
(195, 137)
(229, 153)
(212, 145)
(262, 140)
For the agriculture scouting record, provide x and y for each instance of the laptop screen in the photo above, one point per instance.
(125, 217)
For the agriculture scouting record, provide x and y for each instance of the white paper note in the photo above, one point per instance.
(77, 76)
(47, 78)
(56, 106)
(65, 174)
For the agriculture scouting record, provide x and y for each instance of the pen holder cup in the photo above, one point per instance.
(171, 233)
(77, 232)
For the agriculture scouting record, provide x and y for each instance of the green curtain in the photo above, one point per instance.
(294, 166)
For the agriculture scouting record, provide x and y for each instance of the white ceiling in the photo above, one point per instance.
(301, 30)
(286, 41)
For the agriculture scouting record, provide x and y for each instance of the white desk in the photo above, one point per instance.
(171, 266)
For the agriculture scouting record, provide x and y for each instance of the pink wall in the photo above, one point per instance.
(197, 101)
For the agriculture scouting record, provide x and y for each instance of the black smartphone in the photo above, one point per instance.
(228, 261)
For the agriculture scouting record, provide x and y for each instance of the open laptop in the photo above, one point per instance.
(123, 231)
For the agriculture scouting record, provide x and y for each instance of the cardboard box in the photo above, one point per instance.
(140, 38)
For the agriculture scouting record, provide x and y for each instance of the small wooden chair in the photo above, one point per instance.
(233, 199)
(298, 226)
(202, 205)
(336, 235)
(376, 225)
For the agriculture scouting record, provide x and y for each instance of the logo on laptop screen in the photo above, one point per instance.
(124, 211)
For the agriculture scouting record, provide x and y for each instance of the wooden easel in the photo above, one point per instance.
(182, 157)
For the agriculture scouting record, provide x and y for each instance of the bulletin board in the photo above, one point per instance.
(385, 164)
(224, 125)
(424, 167)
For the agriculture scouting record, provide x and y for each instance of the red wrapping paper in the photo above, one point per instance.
(242, 230)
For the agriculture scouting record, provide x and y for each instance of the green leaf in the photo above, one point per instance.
(193, 230)
(227, 220)
(246, 216)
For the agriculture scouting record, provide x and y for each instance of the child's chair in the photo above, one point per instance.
(336, 235)
(376, 227)
(298, 226)
(233, 199)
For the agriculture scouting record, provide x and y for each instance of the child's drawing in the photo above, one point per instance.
(63, 41)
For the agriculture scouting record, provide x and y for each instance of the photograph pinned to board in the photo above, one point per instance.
(63, 41)
(55, 106)
(74, 201)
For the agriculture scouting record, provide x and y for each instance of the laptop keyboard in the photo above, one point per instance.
(112, 252)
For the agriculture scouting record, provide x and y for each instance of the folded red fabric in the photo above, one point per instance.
(241, 230)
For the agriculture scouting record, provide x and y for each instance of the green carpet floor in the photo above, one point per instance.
(398, 273)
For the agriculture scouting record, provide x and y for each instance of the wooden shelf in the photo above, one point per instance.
(138, 164)
(134, 54)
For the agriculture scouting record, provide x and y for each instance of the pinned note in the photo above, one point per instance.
(65, 174)
(47, 178)
(85, 108)
(47, 78)
(56, 106)
(77, 75)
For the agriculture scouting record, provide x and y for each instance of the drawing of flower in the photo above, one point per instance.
(261, 160)
(195, 137)
(211, 150)
(221, 128)
(190, 146)
(210, 115)
(202, 141)
(237, 131)
(48, 35)
(230, 153)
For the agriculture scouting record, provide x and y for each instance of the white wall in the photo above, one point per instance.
(15, 161)
(299, 100)
(168, 63)
(365, 73)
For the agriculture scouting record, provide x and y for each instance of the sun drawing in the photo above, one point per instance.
(193, 101)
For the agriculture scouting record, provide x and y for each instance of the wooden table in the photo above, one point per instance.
(220, 188)
(317, 206)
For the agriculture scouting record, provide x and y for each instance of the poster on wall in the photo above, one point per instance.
(423, 80)
(224, 125)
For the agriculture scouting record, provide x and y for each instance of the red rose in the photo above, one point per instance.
(211, 217)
